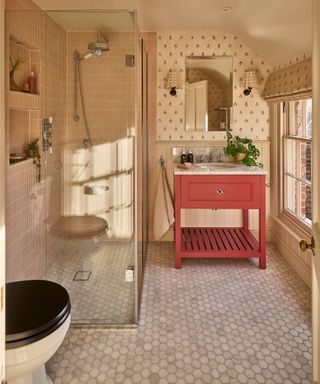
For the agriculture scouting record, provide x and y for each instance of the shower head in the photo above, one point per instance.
(99, 46)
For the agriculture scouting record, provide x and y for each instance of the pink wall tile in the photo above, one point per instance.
(33, 208)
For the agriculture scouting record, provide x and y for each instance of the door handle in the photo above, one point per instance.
(304, 245)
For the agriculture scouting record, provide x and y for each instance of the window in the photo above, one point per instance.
(297, 142)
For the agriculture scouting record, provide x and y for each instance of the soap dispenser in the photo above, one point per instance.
(183, 156)
(190, 156)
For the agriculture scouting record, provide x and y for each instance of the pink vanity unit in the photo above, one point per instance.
(220, 187)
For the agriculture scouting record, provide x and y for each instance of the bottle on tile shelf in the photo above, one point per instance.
(32, 80)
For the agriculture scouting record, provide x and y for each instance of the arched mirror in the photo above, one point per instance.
(208, 93)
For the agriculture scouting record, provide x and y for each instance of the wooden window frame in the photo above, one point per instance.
(286, 117)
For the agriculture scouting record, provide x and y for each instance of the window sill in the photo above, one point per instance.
(299, 229)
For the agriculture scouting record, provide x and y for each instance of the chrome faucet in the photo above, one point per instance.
(220, 158)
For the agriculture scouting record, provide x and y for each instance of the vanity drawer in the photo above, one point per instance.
(220, 191)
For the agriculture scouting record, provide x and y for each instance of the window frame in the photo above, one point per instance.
(286, 117)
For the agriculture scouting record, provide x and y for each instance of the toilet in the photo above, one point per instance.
(37, 320)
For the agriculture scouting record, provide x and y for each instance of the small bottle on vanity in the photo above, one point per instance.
(183, 156)
(190, 156)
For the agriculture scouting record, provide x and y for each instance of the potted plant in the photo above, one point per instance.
(32, 150)
(242, 150)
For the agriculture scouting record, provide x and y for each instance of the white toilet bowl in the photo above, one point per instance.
(38, 318)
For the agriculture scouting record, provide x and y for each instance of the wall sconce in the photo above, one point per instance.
(250, 81)
(172, 83)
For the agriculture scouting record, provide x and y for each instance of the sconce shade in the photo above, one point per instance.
(172, 83)
(250, 81)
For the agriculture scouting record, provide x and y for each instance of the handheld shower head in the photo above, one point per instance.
(99, 46)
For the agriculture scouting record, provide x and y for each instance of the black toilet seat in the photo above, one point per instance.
(34, 310)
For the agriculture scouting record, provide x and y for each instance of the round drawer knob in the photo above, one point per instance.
(220, 191)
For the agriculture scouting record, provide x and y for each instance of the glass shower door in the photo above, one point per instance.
(91, 216)
(142, 167)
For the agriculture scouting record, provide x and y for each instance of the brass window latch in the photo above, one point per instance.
(304, 245)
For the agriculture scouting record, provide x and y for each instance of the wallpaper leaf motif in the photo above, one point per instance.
(250, 114)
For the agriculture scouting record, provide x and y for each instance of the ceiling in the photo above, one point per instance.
(113, 21)
(275, 29)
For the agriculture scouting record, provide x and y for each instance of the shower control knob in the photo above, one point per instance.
(47, 135)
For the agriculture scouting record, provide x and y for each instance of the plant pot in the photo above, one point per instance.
(31, 153)
(240, 157)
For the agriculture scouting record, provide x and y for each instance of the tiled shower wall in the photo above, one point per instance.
(29, 214)
(109, 87)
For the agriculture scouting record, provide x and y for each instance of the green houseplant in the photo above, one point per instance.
(32, 150)
(242, 150)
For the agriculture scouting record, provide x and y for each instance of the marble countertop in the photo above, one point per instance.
(220, 169)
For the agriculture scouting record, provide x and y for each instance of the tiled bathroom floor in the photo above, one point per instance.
(94, 275)
(213, 321)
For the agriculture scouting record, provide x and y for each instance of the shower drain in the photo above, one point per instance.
(82, 276)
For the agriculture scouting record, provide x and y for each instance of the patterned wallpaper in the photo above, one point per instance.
(302, 56)
(250, 113)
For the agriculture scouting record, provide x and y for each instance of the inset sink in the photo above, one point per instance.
(210, 166)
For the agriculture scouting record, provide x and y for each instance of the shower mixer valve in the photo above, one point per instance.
(47, 134)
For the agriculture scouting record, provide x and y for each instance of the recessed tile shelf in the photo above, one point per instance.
(23, 107)
(23, 161)
(30, 57)
(23, 128)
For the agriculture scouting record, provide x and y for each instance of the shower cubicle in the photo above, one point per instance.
(88, 206)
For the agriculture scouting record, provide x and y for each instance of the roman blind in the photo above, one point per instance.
(293, 82)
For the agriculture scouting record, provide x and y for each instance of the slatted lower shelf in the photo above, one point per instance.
(218, 242)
